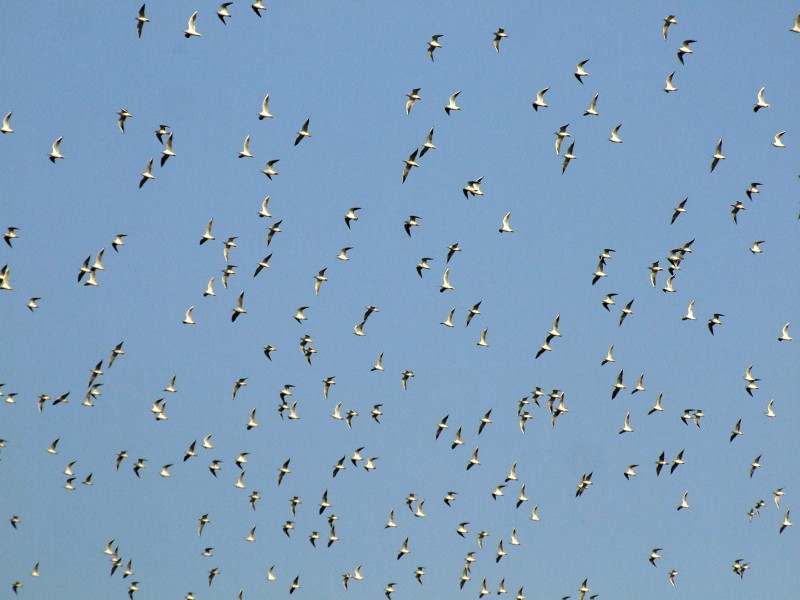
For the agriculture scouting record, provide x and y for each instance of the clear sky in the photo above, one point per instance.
(68, 70)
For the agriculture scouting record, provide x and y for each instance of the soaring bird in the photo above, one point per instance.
(499, 35)
(191, 30)
(223, 13)
(540, 103)
(580, 71)
(55, 152)
(760, 102)
(412, 96)
(303, 133)
(5, 127)
(668, 87)
(451, 104)
(141, 19)
(669, 20)
(717, 156)
(684, 49)
(434, 44)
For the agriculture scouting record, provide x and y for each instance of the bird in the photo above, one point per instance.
(615, 135)
(451, 104)
(592, 110)
(473, 187)
(777, 141)
(423, 265)
(351, 215)
(257, 7)
(568, 156)
(677, 462)
(191, 31)
(618, 386)
(760, 102)
(684, 49)
(473, 312)
(412, 96)
(672, 574)
(756, 248)
(668, 87)
(123, 114)
(714, 320)
(451, 250)
(32, 305)
(786, 522)
(717, 156)
(188, 318)
(118, 241)
(378, 364)
(5, 127)
(55, 153)
(428, 144)
(654, 556)
(223, 13)
(303, 133)
(560, 135)
(629, 472)
(295, 585)
(141, 19)
(148, 174)
(689, 316)
(669, 20)
(319, 278)
(737, 430)
(679, 210)
(796, 27)
(264, 113)
(660, 463)
(608, 301)
(245, 151)
(580, 71)
(207, 233)
(238, 309)
(625, 312)
(406, 375)
(506, 228)
(411, 222)
(540, 103)
(755, 465)
(299, 316)
(499, 35)
(343, 253)
(434, 44)
(684, 503)
(410, 163)
(270, 171)
(609, 356)
(626, 427)
(785, 337)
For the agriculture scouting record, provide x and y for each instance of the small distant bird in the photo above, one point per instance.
(188, 319)
(540, 103)
(755, 465)
(615, 135)
(451, 104)
(625, 312)
(560, 135)
(269, 171)
(434, 44)
(118, 241)
(265, 114)
(55, 152)
(777, 141)
(223, 13)
(148, 174)
(412, 96)
(32, 305)
(257, 7)
(446, 281)
(689, 316)
(6, 125)
(717, 156)
(684, 49)
(760, 102)
(506, 228)
(245, 151)
(568, 156)
(428, 145)
(684, 503)
(672, 574)
(756, 247)
(9, 235)
(626, 427)
(669, 87)
(351, 215)
(410, 163)
(714, 320)
(303, 133)
(669, 20)
(679, 210)
(592, 110)
(411, 222)
(785, 337)
(123, 114)
(786, 522)
(629, 472)
(238, 309)
(140, 21)
(191, 30)
(473, 187)
(499, 35)
(580, 71)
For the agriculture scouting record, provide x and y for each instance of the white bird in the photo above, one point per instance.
(448, 322)
(6, 126)
(560, 135)
(592, 110)
(669, 87)
(689, 316)
(141, 19)
(209, 288)
(446, 281)
(580, 71)
(669, 20)
(499, 35)
(777, 141)
(167, 152)
(245, 151)
(55, 153)
(684, 503)
(223, 13)
(615, 135)
(786, 522)
(257, 7)
(451, 105)
(717, 156)
(684, 49)
(412, 96)
(434, 44)
(626, 427)
(238, 309)
(303, 133)
(539, 102)
(265, 114)
(482, 341)
(148, 173)
(568, 156)
(756, 247)
(409, 163)
(188, 319)
(609, 357)
(428, 145)
(785, 337)
(378, 363)
(506, 228)
(191, 30)
(760, 102)
(270, 171)
(796, 27)
(207, 234)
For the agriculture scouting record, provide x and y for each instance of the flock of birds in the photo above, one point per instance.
(89, 274)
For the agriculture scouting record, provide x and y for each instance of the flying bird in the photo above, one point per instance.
(451, 104)
(669, 20)
(540, 103)
(5, 127)
(760, 102)
(499, 35)
(303, 133)
(55, 153)
(717, 156)
(684, 49)
(580, 71)
(412, 96)
(141, 19)
(434, 44)
(191, 31)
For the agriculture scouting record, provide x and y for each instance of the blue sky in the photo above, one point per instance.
(348, 67)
